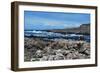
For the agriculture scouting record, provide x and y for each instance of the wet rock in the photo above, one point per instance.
(35, 59)
(44, 58)
(69, 56)
(66, 52)
(51, 57)
(81, 56)
(59, 57)
(39, 54)
(87, 52)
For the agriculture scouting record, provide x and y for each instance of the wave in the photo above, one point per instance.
(53, 35)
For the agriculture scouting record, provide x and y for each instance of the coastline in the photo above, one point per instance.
(37, 49)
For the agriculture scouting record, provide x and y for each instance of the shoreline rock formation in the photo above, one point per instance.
(36, 49)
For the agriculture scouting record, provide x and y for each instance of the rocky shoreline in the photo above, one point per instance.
(37, 49)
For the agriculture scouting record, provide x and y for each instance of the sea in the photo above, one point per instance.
(53, 35)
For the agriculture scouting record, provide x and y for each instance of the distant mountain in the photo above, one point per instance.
(82, 29)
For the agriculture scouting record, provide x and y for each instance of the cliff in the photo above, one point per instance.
(82, 29)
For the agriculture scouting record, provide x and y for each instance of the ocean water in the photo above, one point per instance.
(52, 35)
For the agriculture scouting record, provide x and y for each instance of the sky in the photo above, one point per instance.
(38, 20)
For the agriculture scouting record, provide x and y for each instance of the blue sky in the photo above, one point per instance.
(36, 20)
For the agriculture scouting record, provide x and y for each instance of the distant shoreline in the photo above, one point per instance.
(83, 29)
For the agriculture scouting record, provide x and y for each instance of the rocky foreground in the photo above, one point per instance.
(37, 49)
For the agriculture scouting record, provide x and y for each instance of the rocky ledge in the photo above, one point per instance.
(58, 49)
